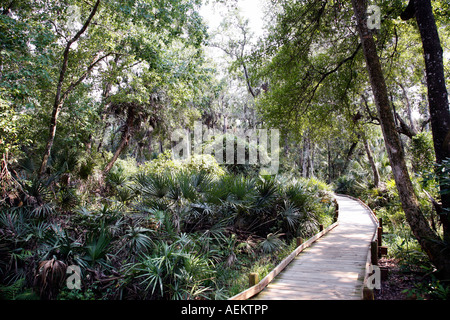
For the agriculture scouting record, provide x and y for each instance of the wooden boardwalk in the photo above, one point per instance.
(334, 266)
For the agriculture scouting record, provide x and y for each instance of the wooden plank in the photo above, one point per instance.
(317, 287)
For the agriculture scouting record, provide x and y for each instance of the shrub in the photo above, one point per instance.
(204, 163)
(165, 163)
(172, 272)
(345, 185)
(162, 164)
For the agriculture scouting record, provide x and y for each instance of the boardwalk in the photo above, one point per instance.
(334, 266)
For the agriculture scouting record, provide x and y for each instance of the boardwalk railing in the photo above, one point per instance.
(257, 288)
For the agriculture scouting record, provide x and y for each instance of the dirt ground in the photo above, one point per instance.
(393, 287)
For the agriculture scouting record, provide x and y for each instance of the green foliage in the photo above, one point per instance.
(272, 243)
(172, 272)
(8, 127)
(97, 248)
(173, 239)
(76, 294)
(346, 185)
(204, 163)
(312, 37)
(443, 175)
(422, 152)
(433, 289)
(11, 292)
(138, 239)
(438, 178)
(17, 291)
(165, 163)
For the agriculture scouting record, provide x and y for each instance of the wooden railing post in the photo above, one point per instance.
(382, 250)
(299, 241)
(374, 252)
(253, 279)
(380, 233)
(368, 294)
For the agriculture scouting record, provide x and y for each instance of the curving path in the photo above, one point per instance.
(334, 266)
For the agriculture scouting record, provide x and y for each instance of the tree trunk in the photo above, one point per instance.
(225, 124)
(52, 133)
(106, 104)
(437, 93)
(311, 160)
(408, 108)
(428, 239)
(124, 141)
(330, 172)
(305, 172)
(376, 174)
(349, 156)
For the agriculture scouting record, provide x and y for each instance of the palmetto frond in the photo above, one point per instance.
(154, 185)
(291, 214)
(97, 248)
(138, 239)
(272, 243)
(43, 210)
(266, 193)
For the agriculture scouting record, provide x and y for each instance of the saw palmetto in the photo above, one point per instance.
(50, 277)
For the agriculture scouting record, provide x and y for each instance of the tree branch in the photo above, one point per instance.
(66, 52)
(371, 115)
(326, 74)
(437, 206)
(409, 11)
(404, 127)
(58, 103)
(84, 75)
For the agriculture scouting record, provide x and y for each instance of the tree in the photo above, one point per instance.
(234, 37)
(437, 92)
(61, 95)
(162, 95)
(428, 239)
(118, 28)
(309, 61)
(376, 174)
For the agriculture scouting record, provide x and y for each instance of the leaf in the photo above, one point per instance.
(272, 243)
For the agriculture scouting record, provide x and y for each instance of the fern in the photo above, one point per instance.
(12, 291)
